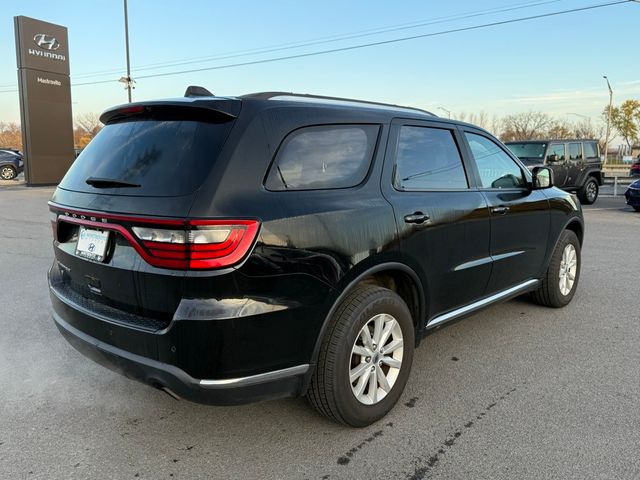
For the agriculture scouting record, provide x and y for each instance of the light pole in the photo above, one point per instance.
(448, 112)
(127, 80)
(606, 140)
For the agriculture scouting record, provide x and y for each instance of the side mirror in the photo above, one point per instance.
(542, 178)
(553, 158)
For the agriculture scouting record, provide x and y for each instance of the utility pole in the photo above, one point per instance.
(128, 81)
(606, 142)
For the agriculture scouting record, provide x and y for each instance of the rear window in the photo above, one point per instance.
(590, 150)
(323, 157)
(165, 158)
(528, 150)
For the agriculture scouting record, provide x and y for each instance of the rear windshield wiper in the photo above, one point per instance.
(109, 183)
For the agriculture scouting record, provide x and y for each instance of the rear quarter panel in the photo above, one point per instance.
(311, 243)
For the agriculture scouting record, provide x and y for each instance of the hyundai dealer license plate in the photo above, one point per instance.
(92, 244)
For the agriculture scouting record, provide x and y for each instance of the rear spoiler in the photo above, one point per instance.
(217, 111)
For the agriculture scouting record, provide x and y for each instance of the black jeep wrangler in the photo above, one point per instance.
(575, 163)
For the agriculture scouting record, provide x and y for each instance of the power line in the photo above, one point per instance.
(317, 41)
(366, 45)
(330, 39)
(386, 42)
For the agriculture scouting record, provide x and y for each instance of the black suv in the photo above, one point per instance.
(228, 250)
(11, 163)
(576, 164)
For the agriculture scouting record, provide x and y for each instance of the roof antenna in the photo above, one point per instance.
(196, 91)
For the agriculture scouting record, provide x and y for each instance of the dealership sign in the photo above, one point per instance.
(45, 99)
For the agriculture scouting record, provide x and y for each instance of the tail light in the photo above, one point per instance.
(53, 219)
(201, 244)
(176, 244)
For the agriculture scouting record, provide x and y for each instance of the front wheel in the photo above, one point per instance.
(561, 279)
(365, 357)
(589, 191)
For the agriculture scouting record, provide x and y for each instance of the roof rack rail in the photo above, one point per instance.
(310, 97)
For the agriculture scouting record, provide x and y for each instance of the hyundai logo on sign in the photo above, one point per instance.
(46, 42)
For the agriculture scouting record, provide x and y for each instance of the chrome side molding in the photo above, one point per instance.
(496, 297)
(255, 379)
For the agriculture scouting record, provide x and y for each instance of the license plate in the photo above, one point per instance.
(92, 244)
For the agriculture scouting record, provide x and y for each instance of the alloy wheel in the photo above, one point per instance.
(6, 173)
(376, 359)
(591, 191)
(568, 269)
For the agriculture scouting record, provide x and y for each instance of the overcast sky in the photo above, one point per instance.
(552, 64)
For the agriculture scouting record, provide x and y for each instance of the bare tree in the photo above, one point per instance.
(586, 129)
(89, 123)
(480, 119)
(525, 126)
(87, 126)
(496, 126)
(462, 116)
(10, 135)
(559, 129)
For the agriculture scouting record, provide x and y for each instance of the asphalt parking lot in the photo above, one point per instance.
(516, 391)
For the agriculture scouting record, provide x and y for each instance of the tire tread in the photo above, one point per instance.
(547, 293)
(320, 392)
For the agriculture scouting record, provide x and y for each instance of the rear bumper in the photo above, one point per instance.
(234, 391)
(216, 361)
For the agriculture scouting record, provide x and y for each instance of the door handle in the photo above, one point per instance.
(502, 210)
(416, 217)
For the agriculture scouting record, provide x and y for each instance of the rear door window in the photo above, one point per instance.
(575, 151)
(590, 150)
(323, 157)
(426, 159)
(164, 157)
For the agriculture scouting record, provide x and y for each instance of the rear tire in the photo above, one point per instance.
(637, 209)
(589, 191)
(7, 172)
(561, 279)
(356, 382)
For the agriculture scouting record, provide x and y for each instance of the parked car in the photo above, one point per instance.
(233, 249)
(633, 195)
(11, 163)
(576, 164)
(634, 171)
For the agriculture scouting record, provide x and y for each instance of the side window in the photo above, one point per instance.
(558, 150)
(323, 157)
(496, 168)
(575, 151)
(590, 150)
(428, 158)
